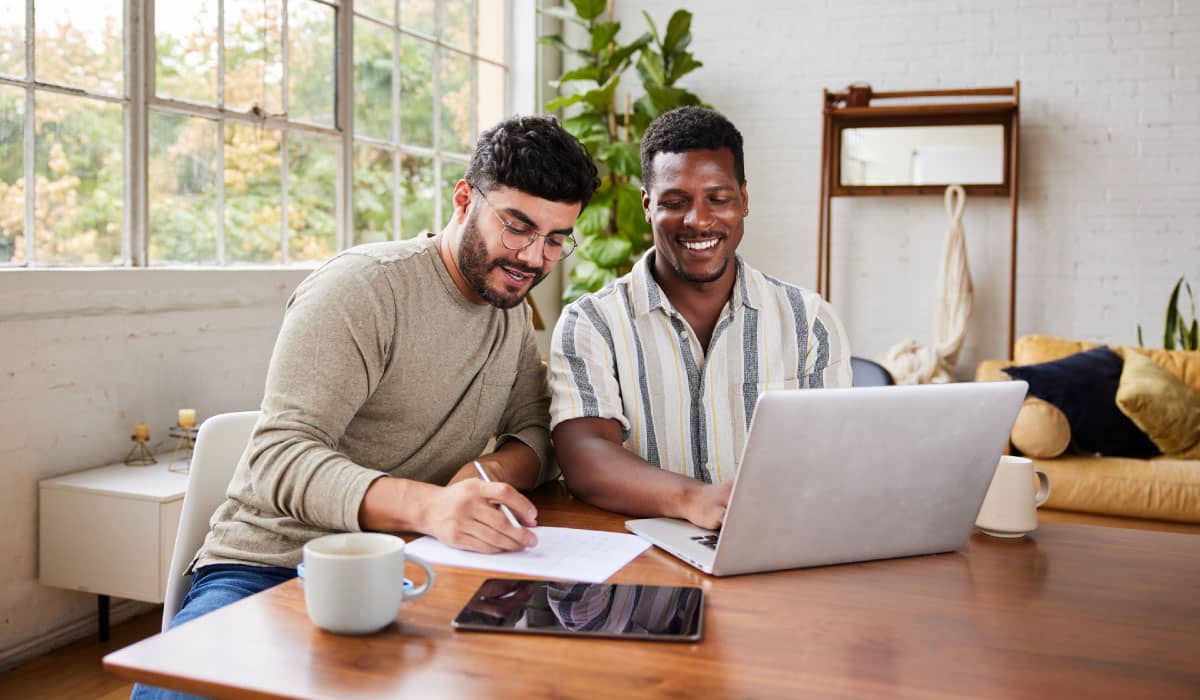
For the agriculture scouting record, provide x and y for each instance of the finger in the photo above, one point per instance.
(471, 543)
(493, 528)
(521, 506)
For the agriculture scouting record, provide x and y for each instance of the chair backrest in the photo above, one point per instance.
(219, 446)
(869, 373)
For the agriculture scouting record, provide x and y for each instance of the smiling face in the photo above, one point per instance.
(499, 276)
(696, 208)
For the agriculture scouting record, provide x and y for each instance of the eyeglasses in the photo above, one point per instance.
(515, 236)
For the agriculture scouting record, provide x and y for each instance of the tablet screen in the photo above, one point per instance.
(584, 609)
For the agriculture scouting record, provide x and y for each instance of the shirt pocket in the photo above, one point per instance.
(494, 391)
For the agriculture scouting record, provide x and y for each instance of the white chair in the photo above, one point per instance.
(219, 446)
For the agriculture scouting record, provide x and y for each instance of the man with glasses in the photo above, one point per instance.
(395, 365)
(655, 377)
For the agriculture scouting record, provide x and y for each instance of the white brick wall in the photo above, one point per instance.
(1110, 154)
(85, 354)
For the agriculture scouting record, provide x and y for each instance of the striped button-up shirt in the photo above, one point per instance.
(625, 353)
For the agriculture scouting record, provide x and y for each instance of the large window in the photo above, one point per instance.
(218, 134)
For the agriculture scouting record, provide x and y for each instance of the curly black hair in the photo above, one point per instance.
(691, 129)
(536, 156)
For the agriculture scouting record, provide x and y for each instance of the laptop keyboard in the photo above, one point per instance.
(709, 541)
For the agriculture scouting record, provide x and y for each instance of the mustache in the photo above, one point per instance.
(518, 266)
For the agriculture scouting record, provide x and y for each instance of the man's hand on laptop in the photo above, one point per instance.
(704, 504)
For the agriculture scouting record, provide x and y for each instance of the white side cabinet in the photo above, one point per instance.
(110, 531)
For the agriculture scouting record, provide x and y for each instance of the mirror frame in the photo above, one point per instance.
(984, 114)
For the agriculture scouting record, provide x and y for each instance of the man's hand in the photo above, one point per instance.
(462, 515)
(704, 505)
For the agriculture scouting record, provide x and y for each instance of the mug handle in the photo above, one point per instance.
(410, 593)
(1043, 491)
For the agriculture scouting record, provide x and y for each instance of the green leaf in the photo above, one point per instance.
(1194, 336)
(1140, 343)
(668, 98)
(595, 218)
(586, 124)
(603, 34)
(589, 9)
(560, 102)
(563, 14)
(607, 251)
(619, 60)
(631, 217)
(650, 68)
(575, 291)
(653, 27)
(677, 29)
(682, 66)
(621, 158)
(557, 42)
(601, 98)
(1172, 321)
(590, 73)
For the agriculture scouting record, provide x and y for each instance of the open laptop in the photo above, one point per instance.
(830, 476)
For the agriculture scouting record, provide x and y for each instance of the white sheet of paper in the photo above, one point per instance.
(562, 553)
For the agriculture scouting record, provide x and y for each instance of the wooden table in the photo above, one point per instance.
(1070, 611)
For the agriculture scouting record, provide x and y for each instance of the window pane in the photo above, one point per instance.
(12, 175)
(383, 9)
(254, 54)
(372, 80)
(491, 31)
(183, 189)
(253, 213)
(312, 62)
(80, 180)
(417, 195)
(492, 94)
(452, 172)
(185, 39)
(456, 21)
(416, 91)
(12, 37)
(80, 47)
(417, 15)
(372, 194)
(312, 197)
(456, 102)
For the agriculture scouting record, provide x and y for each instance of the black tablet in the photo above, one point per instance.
(625, 611)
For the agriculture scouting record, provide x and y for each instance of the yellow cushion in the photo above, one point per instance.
(1161, 405)
(1041, 429)
(1032, 349)
(1163, 488)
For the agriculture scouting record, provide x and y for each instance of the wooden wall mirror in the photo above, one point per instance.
(918, 142)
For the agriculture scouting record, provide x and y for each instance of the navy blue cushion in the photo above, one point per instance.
(1084, 387)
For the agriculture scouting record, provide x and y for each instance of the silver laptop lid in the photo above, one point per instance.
(841, 475)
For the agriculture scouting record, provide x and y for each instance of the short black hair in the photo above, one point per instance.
(691, 129)
(537, 156)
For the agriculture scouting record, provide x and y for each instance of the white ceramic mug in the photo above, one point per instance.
(1010, 507)
(354, 582)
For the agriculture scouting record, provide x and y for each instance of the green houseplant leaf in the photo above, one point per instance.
(612, 230)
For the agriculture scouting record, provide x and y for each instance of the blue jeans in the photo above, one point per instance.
(215, 587)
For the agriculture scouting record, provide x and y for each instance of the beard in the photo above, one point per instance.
(475, 266)
(701, 279)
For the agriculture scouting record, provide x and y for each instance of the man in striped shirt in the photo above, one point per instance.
(654, 378)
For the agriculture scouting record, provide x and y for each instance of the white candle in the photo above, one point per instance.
(187, 417)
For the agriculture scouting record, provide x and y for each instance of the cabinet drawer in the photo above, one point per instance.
(100, 544)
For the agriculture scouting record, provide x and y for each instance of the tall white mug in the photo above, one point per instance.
(354, 582)
(1010, 507)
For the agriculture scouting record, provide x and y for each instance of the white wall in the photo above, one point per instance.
(1110, 154)
(85, 354)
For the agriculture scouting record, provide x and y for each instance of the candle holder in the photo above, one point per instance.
(185, 444)
(140, 456)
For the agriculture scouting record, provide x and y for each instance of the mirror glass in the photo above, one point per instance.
(923, 155)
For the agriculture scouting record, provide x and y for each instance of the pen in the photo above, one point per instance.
(503, 508)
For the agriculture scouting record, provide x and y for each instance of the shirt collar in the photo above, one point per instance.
(648, 295)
